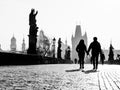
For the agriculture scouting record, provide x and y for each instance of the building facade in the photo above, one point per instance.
(63, 48)
(41, 39)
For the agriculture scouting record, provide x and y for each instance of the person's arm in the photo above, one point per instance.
(86, 50)
(89, 48)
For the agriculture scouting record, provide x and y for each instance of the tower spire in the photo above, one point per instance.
(111, 41)
(66, 41)
(23, 45)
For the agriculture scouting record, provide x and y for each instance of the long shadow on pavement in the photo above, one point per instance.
(86, 72)
(90, 71)
(73, 70)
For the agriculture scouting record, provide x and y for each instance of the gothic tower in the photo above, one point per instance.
(85, 38)
(75, 40)
(23, 45)
(13, 44)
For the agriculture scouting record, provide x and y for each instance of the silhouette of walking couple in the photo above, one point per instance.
(95, 49)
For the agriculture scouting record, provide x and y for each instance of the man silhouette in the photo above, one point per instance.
(95, 48)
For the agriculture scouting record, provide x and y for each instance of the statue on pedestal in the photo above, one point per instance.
(32, 32)
(59, 49)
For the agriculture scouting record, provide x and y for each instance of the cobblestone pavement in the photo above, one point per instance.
(59, 77)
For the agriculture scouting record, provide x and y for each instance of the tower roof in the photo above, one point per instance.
(23, 40)
(13, 38)
(85, 33)
(78, 31)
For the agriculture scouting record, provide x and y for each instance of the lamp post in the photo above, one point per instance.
(54, 40)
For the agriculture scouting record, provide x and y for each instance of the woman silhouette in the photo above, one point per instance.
(81, 49)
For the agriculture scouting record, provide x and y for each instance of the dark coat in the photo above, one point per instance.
(95, 48)
(81, 49)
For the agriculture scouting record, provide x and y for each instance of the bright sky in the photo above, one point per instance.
(58, 18)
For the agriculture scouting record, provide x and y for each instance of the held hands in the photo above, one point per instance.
(87, 53)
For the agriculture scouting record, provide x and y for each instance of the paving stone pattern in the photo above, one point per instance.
(59, 77)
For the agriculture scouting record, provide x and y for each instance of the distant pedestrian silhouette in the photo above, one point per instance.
(95, 48)
(75, 60)
(102, 57)
(81, 49)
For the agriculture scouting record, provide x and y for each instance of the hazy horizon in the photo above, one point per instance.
(58, 18)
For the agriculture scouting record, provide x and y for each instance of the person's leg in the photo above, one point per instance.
(93, 58)
(96, 62)
(83, 60)
(80, 61)
(80, 64)
(83, 63)
(103, 61)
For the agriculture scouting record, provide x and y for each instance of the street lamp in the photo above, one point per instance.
(54, 40)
